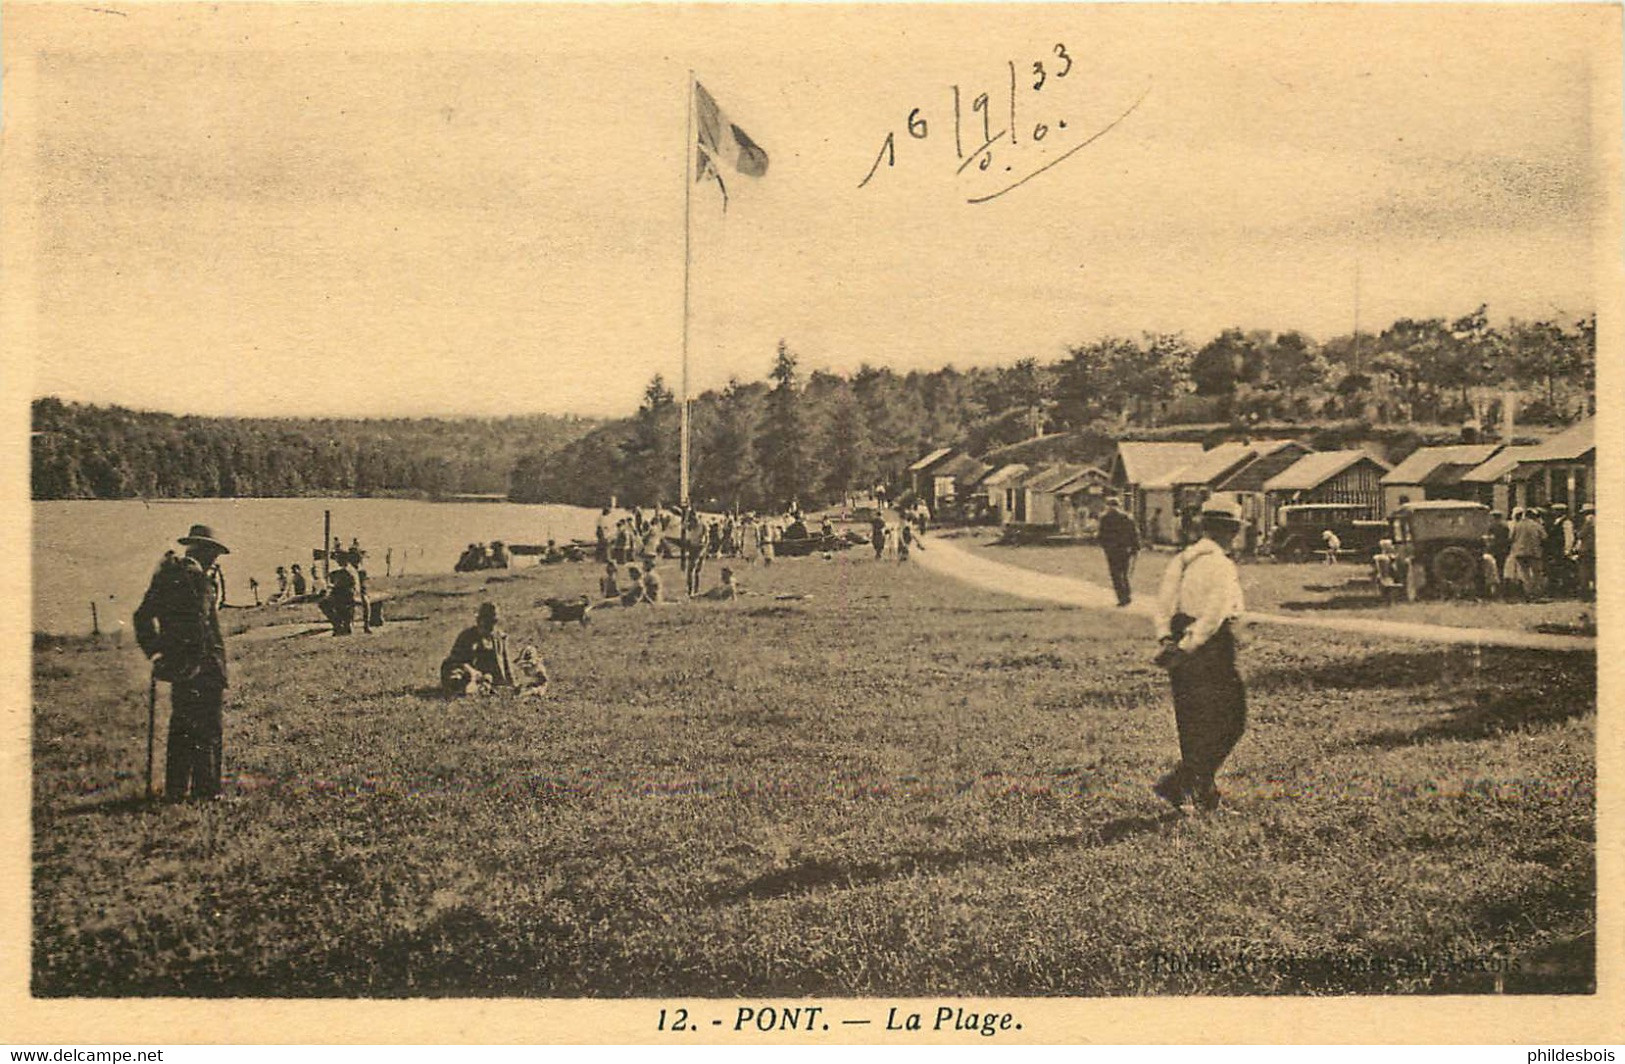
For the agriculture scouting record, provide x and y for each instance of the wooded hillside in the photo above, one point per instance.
(82, 451)
(819, 437)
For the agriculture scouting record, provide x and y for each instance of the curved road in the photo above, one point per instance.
(946, 558)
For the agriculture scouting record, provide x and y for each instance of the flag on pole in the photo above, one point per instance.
(722, 145)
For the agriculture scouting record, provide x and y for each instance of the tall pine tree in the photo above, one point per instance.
(781, 443)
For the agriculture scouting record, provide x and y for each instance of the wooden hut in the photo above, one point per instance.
(999, 488)
(1353, 477)
(1563, 469)
(951, 481)
(919, 474)
(1434, 473)
(1038, 491)
(1138, 463)
(1079, 501)
(1245, 483)
(1494, 482)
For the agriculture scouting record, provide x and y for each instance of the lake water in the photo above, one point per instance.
(105, 552)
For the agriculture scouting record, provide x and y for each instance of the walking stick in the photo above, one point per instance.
(152, 718)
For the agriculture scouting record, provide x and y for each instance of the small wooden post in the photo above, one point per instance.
(95, 621)
(327, 544)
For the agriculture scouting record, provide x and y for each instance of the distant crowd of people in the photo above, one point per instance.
(338, 589)
(1543, 552)
(478, 556)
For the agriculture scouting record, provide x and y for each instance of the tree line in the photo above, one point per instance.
(84, 451)
(821, 437)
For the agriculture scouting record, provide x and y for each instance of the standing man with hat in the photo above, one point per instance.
(1585, 553)
(178, 627)
(1197, 608)
(1121, 541)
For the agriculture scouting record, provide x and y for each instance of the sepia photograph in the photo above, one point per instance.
(825, 522)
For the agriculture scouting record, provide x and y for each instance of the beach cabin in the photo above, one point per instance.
(1138, 463)
(1434, 473)
(1245, 483)
(951, 480)
(1495, 484)
(1173, 500)
(998, 489)
(1350, 477)
(919, 474)
(1079, 502)
(941, 477)
(1563, 469)
(1038, 492)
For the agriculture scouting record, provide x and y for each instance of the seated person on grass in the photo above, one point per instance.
(726, 591)
(479, 664)
(634, 587)
(609, 585)
(653, 586)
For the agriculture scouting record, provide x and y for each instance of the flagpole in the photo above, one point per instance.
(688, 259)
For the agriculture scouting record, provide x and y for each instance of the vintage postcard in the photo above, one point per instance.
(811, 523)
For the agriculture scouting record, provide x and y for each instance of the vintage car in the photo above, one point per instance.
(1436, 549)
(1299, 528)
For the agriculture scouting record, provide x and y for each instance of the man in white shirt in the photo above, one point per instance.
(1197, 606)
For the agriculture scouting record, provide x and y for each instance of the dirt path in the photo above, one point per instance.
(944, 557)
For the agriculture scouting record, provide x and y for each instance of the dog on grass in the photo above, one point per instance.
(567, 611)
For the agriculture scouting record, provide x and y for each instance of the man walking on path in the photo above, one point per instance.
(1121, 542)
(177, 626)
(1197, 607)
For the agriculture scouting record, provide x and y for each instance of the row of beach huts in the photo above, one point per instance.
(1161, 483)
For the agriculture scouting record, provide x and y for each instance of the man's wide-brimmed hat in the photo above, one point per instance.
(203, 536)
(1222, 511)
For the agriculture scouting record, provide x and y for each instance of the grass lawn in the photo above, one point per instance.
(1345, 588)
(898, 786)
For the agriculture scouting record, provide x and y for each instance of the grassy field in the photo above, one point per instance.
(895, 786)
(1314, 587)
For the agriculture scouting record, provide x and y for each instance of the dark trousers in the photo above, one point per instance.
(1117, 560)
(341, 612)
(192, 764)
(1210, 709)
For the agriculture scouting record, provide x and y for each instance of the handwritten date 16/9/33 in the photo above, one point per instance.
(987, 123)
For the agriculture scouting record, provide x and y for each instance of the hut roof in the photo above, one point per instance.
(1051, 477)
(931, 459)
(1145, 462)
(1002, 474)
(1499, 465)
(1090, 477)
(1272, 458)
(1313, 470)
(962, 467)
(1209, 466)
(1423, 461)
(1570, 445)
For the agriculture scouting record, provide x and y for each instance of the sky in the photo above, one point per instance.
(380, 211)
